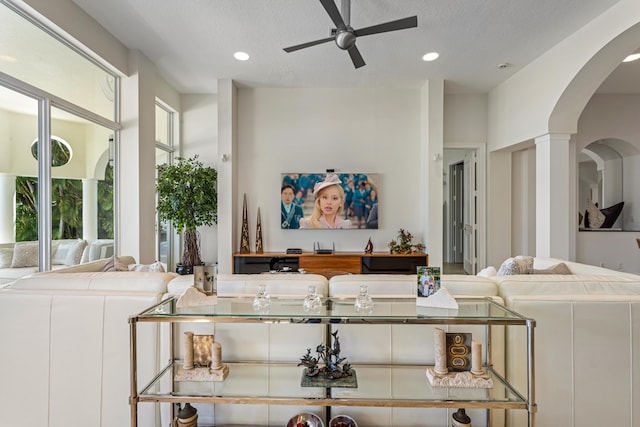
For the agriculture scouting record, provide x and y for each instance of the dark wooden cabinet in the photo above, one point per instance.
(350, 262)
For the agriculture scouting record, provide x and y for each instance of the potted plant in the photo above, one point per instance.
(188, 197)
(404, 244)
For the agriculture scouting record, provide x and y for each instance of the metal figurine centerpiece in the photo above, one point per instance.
(334, 373)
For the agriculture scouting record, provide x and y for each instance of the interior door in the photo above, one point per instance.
(456, 203)
(470, 213)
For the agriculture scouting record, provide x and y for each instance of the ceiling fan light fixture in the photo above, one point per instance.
(241, 56)
(431, 56)
(632, 57)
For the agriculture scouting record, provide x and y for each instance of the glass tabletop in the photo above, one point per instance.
(335, 310)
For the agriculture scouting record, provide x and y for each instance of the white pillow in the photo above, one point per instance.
(74, 254)
(61, 251)
(156, 267)
(596, 217)
(487, 272)
(25, 255)
(521, 264)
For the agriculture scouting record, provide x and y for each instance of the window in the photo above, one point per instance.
(50, 91)
(164, 154)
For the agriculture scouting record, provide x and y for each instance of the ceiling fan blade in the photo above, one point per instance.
(308, 44)
(400, 24)
(334, 13)
(356, 58)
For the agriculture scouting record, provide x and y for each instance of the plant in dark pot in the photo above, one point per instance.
(188, 197)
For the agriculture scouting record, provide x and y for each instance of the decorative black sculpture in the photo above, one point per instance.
(259, 234)
(369, 248)
(244, 240)
(333, 368)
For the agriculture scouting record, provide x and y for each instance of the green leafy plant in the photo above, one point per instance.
(404, 244)
(188, 197)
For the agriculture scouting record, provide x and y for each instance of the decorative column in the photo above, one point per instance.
(554, 197)
(440, 346)
(7, 208)
(188, 350)
(89, 209)
(476, 357)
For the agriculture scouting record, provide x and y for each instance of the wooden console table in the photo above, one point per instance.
(350, 262)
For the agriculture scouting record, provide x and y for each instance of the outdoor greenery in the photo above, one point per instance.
(66, 208)
(188, 197)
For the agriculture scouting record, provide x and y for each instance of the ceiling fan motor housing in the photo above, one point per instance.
(345, 38)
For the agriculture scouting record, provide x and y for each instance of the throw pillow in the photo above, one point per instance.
(560, 268)
(156, 267)
(6, 255)
(74, 255)
(596, 218)
(487, 272)
(110, 265)
(520, 264)
(25, 255)
(113, 263)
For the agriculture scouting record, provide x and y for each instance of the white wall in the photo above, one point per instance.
(617, 250)
(311, 130)
(465, 118)
(549, 93)
(523, 198)
(199, 124)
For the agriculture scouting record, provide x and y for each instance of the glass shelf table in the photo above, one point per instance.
(335, 311)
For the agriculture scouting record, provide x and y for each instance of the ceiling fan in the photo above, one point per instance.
(345, 36)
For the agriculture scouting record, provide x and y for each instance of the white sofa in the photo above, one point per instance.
(21, 259)
(587, 342)
(65, 346)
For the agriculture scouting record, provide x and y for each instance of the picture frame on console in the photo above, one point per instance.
(350, 200)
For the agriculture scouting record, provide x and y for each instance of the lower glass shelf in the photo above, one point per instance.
(378, 385)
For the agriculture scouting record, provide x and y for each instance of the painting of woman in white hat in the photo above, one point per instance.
(328, 205)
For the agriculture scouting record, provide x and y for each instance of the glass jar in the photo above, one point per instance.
(364, 303)
(312, 302)
(262, 300)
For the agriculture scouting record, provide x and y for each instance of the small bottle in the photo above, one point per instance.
(262, 301)
(364, 303)
(312, 302)
(460, 419)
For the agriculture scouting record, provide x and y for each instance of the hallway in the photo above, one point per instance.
(453, 268)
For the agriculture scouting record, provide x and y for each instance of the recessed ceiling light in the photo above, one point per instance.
(431, 56)
(241, 56)
(7, 58)
(631, 57)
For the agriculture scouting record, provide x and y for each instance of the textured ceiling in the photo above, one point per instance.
(192, 41)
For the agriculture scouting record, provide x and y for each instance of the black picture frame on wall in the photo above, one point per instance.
(359, 208)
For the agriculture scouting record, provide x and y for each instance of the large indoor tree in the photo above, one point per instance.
(188, 197)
